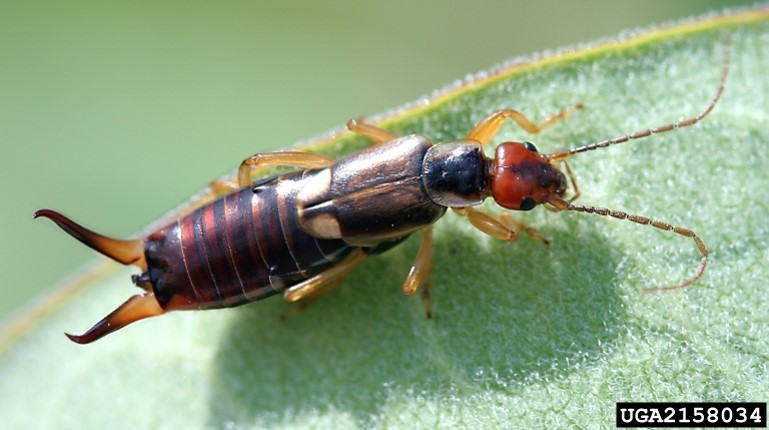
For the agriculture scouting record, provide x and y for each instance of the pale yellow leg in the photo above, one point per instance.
(574, 187)
(306, 160)
(325, 281)
(487, 224)
(515, 225)
(419, 275)
(376, 134)
(488, 127)
(223, 187)
(310, 298)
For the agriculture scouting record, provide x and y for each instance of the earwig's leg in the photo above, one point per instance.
(574, 187)
(376, 134)
(505, 228)
(487, 224)
(485, 130)
(223, 187)
(310, 298)
(514, 225)
(220, 186)
(305, 160)
(296, 158)
(419, 275)
(325, 281)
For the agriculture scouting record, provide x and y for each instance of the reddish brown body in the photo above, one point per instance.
(299, 234)
(240, 248)
(243, 247)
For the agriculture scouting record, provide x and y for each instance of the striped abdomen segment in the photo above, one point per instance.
(242, 247)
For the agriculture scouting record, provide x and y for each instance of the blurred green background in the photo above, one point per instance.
(115, 112)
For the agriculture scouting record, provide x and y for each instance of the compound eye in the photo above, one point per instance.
(530, 146)
(528, 204)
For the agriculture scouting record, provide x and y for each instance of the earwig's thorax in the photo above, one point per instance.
(522, 178)
(455, 174)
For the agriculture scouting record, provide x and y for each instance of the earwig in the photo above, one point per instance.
(300, 233)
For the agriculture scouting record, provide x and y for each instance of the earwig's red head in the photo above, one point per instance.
(522, 178)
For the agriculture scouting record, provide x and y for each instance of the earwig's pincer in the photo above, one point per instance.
(300, 233)
(122, 251)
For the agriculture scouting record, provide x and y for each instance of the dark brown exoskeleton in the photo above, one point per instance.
(300, 233)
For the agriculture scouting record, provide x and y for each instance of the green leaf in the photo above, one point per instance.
(523, 334)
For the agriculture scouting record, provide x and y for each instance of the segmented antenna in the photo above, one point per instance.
(558, 204)
(560, 156)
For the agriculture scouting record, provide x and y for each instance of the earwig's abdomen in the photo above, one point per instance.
(243, 247)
